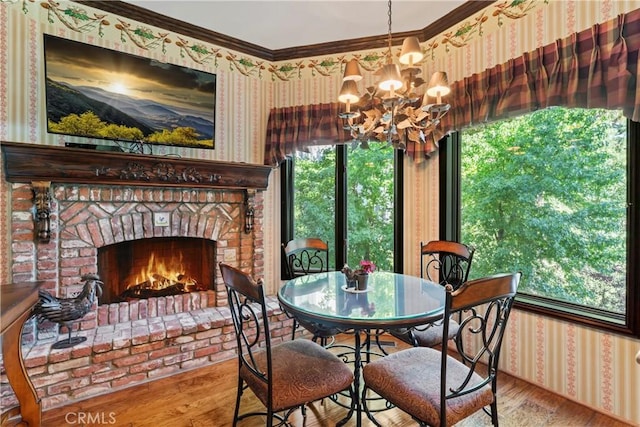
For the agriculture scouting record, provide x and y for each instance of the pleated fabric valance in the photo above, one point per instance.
(293, 129)
(595, 68)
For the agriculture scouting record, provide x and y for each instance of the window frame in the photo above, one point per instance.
(287, 198)
(627, 324)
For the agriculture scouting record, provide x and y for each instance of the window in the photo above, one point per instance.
(348, 197)
(551, 194)
(314, 196)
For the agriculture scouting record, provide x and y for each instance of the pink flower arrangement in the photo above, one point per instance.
(367, 266)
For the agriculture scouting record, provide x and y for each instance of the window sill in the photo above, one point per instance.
(587, 316)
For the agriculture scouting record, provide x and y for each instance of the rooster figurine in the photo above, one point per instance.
(67, 310)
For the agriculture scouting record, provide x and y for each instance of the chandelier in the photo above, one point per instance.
(393, 111)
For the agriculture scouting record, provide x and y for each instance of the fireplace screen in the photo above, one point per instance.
(156, 267)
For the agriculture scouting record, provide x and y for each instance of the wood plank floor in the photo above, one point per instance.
(206, 397)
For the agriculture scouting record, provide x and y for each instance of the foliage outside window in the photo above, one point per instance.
(314, 196)
(370, 206)
(369, 199)
(546, 194)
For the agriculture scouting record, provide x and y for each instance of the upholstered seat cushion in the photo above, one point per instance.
(303, 371)
(318, 330)
(432, 336)
(410, 379)
(426, 335)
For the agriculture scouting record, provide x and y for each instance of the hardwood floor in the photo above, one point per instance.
(206, 397)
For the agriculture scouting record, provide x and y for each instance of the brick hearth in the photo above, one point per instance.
(129, 342)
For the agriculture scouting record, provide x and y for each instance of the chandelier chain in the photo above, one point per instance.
(389, 56)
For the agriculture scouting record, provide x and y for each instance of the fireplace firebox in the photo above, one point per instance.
(156, 267)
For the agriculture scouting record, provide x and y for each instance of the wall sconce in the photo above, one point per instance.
(42, 198)
(249, 211)
(248, 219)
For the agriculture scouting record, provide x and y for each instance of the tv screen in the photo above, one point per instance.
(102, 93)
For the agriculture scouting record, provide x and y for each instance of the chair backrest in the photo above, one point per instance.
(250, 321)
(485, 305)
(443, 261)
(305, 256)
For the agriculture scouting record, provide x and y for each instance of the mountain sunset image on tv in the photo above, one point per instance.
(105, 94)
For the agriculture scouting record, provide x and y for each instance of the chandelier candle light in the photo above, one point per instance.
(393, 111)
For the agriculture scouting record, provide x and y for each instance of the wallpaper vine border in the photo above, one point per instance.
(85, 20)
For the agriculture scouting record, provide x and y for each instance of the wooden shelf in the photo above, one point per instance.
(34, 162)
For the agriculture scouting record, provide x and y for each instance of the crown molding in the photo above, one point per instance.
(364, 43)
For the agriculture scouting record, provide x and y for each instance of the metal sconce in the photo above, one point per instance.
(248, 219)
(42, 198)
(248, 211)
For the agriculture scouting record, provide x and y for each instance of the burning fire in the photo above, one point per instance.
(163, 273)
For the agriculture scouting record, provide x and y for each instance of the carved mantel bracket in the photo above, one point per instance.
(42, 199)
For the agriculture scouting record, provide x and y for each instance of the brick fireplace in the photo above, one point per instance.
(67, 206)
(86, 218)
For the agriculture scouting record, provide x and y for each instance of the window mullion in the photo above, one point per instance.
(341, 205)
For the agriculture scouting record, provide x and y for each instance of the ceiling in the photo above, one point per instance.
(287, 24)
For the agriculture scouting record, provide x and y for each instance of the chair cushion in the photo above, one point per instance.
(303, 371)
(432, 336)
(410, 379)
(319, 331)
(426, 335)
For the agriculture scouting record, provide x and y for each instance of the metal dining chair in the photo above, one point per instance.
(305, 256)
(302, 257)
(437, 389)
(285, 376)
(443, 262)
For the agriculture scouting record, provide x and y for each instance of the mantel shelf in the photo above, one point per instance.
(34, 162)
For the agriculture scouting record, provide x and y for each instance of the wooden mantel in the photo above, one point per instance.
(34, 162)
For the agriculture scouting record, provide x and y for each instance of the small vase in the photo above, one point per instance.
(363, 279)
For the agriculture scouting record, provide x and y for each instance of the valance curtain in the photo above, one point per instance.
(293, 129)
(595, 68)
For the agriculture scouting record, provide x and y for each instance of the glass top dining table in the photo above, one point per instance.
(391, 301)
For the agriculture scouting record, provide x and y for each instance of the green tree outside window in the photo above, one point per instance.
(545, 194)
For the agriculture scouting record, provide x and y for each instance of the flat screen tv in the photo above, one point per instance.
(105, 94)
